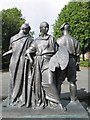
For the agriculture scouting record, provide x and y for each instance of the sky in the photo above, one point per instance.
(36, 11)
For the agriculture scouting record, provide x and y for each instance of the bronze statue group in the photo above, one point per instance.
(39, 67)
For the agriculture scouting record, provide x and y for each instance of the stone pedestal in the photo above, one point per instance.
(74, 111)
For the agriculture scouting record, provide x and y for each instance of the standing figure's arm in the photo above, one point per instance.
(29, 51)
(77, 56)
(77, 52)
(10, 50)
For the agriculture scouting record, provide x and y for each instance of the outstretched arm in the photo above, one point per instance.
(8, 52)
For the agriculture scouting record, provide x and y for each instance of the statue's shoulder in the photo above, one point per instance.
(60, 39)
(75, 41)
(70, 37)
(51, 37)
(30, 37)
(35, 42)
(13, 38)
(64, 37)
(18, 36)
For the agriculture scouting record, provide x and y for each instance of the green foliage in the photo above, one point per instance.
(85, 63)
(77, 14)
(11, 22)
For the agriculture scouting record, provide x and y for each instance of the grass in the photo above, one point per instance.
(85, 63)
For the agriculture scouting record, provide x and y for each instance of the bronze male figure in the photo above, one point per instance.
(72, 45)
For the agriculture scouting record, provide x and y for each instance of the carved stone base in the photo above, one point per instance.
(74, 110)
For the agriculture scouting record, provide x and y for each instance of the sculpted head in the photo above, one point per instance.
(25, 28)
(44, 27)
(65, 26)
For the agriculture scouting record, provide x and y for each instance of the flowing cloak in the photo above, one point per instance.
(43, 86)
(60, 59)
(18, 69)
(73, 47)
(71, 44)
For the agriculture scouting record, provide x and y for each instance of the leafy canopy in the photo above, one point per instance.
(11, 21)
(77, 14)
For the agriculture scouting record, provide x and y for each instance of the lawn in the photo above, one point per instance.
(85, 63)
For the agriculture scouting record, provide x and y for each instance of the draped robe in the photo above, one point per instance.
(18, 69)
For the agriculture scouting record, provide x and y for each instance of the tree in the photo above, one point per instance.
(11, 22)
(77, 15)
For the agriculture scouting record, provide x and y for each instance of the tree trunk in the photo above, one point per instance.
(83, 57)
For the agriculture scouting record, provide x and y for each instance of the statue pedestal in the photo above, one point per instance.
(74, 110)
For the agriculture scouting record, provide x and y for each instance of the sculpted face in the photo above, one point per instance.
(26, 30)
(44, 27)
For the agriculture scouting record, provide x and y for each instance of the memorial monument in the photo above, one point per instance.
(37, 70)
